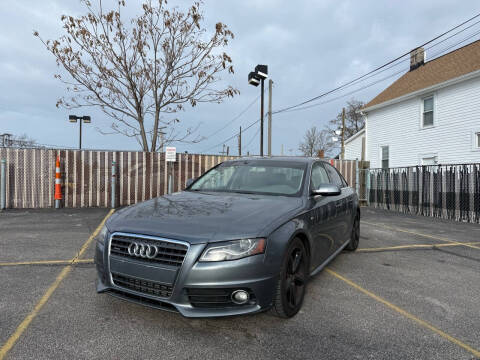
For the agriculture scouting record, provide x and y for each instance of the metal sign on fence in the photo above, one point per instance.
(171, 153)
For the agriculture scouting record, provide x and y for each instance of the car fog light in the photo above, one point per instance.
(240, 297)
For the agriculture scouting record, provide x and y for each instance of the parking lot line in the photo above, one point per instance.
(65, 271)
(415, 246)
(405, 313)
(48, 262)
(423, 235)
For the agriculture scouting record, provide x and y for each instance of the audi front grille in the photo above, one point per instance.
(167, 253)
(143, 286)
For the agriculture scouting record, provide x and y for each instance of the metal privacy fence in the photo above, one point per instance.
(446, 191)
(86, 175)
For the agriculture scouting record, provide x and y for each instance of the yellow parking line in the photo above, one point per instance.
(414, 246)
(405, 313)
(420, 234)
(65, 271)
(48, 262)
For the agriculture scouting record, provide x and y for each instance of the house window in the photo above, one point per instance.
(431, 160)
(478, 139)
(428, 112)
(385, 157)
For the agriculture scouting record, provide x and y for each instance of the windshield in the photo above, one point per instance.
(254, 177)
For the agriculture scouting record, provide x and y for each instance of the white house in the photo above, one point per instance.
(430, 115)
(354, 145)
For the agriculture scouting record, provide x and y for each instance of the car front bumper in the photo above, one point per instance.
(252, 274)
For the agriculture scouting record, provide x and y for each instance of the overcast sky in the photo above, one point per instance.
(310, 47)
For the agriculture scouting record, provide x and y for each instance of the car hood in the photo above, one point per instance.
(199, 217)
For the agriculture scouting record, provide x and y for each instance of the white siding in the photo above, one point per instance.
(451, 139)
(353, 149)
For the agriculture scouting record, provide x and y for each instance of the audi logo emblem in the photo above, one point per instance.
(142, 250)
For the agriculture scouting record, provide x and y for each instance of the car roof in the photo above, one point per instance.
(298, 159)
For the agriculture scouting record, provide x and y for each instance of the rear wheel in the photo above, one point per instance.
(355, 236)
(290, 291)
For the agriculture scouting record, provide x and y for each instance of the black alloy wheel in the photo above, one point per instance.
(292, 282)
(355, 237)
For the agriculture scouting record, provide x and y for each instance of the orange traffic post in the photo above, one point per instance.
(58, 184)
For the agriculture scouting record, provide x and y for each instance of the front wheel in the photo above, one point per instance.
(355, 235)
(290, 291)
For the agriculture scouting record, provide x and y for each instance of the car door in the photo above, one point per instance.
(342, 216)
(321, 218)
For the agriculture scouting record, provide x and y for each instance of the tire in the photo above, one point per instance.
(355, 235)
(290, 290)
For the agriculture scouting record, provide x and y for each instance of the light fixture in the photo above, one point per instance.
(262, 71)
(253, 79)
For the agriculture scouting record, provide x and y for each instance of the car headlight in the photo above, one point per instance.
(233, 250)
(102, 235)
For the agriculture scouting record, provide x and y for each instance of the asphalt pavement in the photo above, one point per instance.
(410, 292)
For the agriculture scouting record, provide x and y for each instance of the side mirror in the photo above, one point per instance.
(327, 190)
(191, 181)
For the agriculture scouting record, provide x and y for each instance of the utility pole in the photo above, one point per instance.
(342, 154)
(240, 142)
(270, 83)
(261, 118)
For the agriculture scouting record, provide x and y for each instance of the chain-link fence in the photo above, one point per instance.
(446, 191)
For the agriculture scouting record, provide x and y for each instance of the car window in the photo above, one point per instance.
(218, 179)
(334, 176)
(319, 176)
(254, 177)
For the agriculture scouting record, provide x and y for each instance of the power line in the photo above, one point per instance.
(232, 137)
(344, 95)
(233, 119)
(390, 64)
(251, 140)
(372, 71)
(382, 79)
(406, 60)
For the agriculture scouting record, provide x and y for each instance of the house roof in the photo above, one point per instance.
(449, 66)
(354, 136)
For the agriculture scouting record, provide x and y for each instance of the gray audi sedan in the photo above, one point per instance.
(243, 238)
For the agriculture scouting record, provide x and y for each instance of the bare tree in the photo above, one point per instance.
(354, 122)
(143, 71)
(314, 141)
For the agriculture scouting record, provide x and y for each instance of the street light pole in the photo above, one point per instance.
(80, 119)
(256, 78)
(80, 135)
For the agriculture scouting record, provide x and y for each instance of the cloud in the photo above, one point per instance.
(310, 46)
